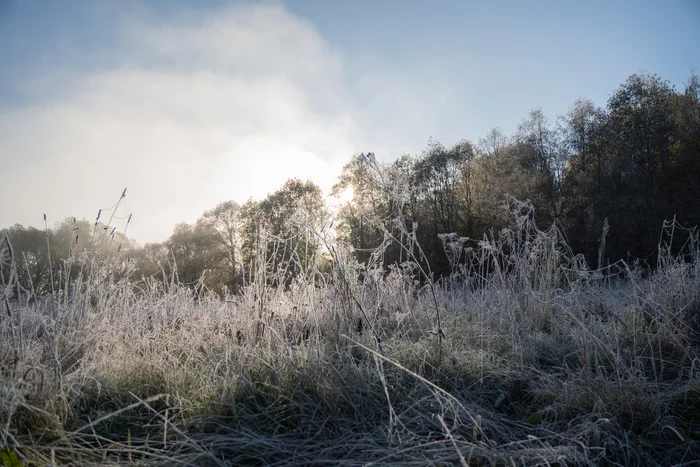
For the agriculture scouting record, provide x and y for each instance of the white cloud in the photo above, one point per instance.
(204, 108)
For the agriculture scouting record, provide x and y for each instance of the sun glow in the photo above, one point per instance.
(342, 198)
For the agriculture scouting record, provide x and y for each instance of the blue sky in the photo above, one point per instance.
(193, 103)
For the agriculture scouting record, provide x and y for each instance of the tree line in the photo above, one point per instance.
(609, 176)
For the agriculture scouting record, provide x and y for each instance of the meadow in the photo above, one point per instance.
(522, 356)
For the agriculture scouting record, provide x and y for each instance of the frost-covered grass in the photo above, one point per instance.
(543, 362)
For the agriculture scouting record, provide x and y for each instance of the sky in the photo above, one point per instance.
(191, 103)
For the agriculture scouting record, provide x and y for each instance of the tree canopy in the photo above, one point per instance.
(615, 172)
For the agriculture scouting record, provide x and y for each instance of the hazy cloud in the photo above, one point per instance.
(205, 107)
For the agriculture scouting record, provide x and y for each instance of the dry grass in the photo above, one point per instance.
(543, 362)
